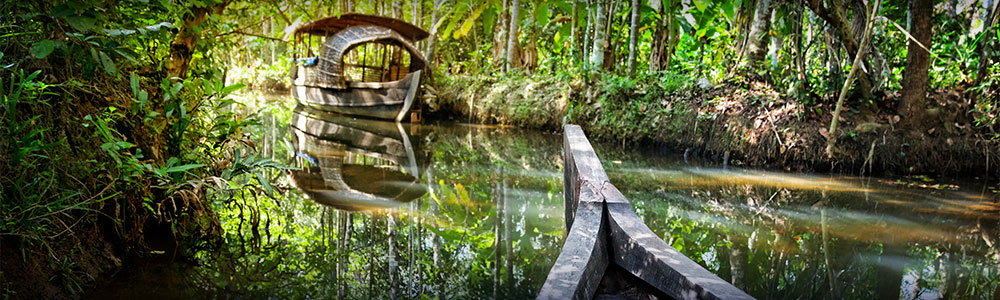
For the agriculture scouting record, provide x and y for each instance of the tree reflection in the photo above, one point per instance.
(820, 237)
(487, 222)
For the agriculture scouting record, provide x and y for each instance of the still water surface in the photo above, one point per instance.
(383, 210)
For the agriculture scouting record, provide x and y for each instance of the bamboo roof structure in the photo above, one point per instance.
(334, 24)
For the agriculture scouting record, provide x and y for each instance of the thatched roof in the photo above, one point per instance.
(332, 25)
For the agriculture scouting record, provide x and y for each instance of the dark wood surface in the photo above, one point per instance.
(641, 258)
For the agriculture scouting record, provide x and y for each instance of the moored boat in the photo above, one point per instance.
(359, 65)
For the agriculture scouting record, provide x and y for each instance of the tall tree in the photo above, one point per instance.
(855, 69)
(757, 40)
(182, 48)
(633, 38)
(415, 19)
(588, 38)
(800, 57)
(917, 62)
(436, 21)
(515, 16)
(664, 38)
(600, 36)
(833, 12)
(992, 19)
(574, 28)
(397, 9)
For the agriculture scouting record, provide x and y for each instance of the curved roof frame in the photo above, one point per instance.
(334, 48)
(334, 24)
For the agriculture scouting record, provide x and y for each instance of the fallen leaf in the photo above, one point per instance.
(824, 133)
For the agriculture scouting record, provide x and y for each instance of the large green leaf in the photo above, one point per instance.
(542, 15)
(471, 20)
(232, 88)
(134, 83)
(81, 23)
(266, 183)
(109, 66)
(42, 49)
(460, 10)
(701, 5)
(729, 9)
(182, 168)
(562, 35)
(489, 18)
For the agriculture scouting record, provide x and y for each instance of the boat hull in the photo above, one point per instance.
(388, 100)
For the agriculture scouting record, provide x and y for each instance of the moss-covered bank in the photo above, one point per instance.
(746, 123)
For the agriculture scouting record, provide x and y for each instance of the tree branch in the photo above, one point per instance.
(238, 31)
(850, 79)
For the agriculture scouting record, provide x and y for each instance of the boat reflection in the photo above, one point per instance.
(355, 164)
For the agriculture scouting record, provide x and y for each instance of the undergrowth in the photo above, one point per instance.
(97, 143)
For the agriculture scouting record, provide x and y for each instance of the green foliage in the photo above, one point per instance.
(33, 200)
(83, 146)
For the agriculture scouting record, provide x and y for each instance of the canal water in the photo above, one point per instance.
(454, 211)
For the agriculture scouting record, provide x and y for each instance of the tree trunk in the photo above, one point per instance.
(873, 61)
(574, 29)
(917, 63)
(609, 38)
(664, 39)
(757, 40)
(432, 39)
(633, 38)
(588, 37)
(391, 257)
(738, 258)
(743, 20)
(415, 16)
(835, 15)
(182, 48)
(500, 38)
(529, 54)
(889, 274)
(855, 68)
(397, 9)
(600, 36)
(658, 56)
(800, 56)
(515, 16)
(776, 42)
(992, 18)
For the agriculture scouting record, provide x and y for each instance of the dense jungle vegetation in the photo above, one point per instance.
(120, 133)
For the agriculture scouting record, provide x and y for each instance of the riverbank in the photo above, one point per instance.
(744, 123)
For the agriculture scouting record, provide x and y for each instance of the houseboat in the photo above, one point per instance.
(359, 65)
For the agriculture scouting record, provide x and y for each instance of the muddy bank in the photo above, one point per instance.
(58, 270)
(744, 123)
(89, 254)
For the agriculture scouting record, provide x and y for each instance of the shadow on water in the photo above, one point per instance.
(380, 210)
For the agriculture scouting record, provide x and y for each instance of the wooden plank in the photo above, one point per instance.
(578, 271)
(644, 254)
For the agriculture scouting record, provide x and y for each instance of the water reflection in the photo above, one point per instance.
(355, 164)
(477, 213)
(793, 236)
